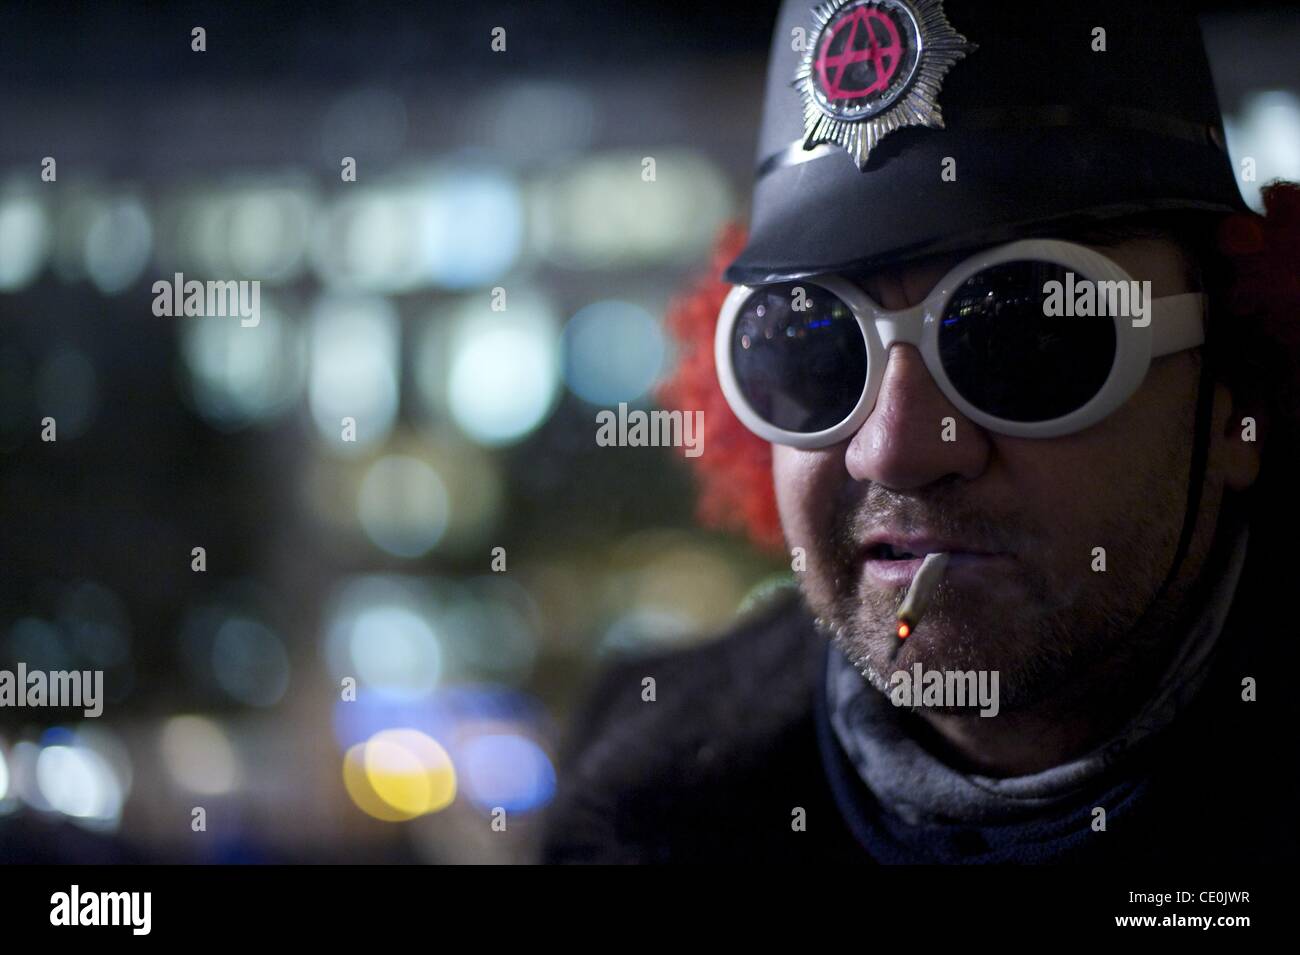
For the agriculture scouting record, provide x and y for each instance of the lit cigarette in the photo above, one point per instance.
(918, 596)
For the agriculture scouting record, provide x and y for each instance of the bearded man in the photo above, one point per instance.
(1095, 665)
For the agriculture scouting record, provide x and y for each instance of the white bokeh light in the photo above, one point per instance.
(267, 228)
(119, 240)
(613, 351)
(403, 505)
(199, 756)
(78, 782)
(504, 370)
(24, 240)
(380, 631)
(472, 228)
(354, 369)
(242, 375)
(395, 649)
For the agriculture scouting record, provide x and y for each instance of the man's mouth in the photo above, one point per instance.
(893, 563)
(884, 551)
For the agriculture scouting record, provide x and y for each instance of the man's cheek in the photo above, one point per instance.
(805, 519)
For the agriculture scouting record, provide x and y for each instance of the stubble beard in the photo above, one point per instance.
(1068, 623)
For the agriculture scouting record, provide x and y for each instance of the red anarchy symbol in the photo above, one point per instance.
(884, 59)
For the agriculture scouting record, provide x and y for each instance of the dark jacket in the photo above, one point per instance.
(738, 739)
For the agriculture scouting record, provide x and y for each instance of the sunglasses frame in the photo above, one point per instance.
(1176, 324)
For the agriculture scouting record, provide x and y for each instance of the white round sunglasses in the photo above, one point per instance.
(801, 362)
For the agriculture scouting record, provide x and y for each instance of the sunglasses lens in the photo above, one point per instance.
(1009, 359)
(799, 357)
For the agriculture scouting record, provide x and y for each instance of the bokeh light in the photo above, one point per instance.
(356, 781)
(600, 213)
(380, 632)
(249, 662)
(109, 746)
(119, 240)
(193, 228)
(78, 782)
(354, 370)
(446, 715)
(503, 368)
(613, 352)
(410, 771)
(399, 774)
(267, 229)
(403, 505)
(683, 574)
(81, 204)
(472, 228)
(233, 648)
(507, 771)
(671, 588)
(22, 775)
(475, 490)
(199, 755)
(489, 733)
(367, 241)
(394, 649)
(24, 239)
(241, 375)
(456, 227)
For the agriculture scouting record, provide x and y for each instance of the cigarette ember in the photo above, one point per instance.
(919, 594)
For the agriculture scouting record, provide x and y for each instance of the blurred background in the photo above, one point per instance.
(477, 173)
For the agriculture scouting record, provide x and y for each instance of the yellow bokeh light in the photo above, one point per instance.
(363, 794)
(399, 774)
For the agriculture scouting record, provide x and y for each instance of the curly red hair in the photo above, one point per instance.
(734, 474)
(1262, 299)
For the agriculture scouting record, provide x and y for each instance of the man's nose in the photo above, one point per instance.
(914, 435)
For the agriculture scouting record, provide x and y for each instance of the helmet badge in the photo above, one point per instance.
(872, 67)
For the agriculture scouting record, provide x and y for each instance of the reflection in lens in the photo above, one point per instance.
(1009, 359)
(799, 357)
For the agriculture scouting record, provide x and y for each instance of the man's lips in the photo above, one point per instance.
(899, 573)
(892, 561)
(919, 545)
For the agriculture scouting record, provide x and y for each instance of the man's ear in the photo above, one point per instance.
(1239, 445)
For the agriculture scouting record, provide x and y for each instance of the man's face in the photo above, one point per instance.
(1021, 595)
